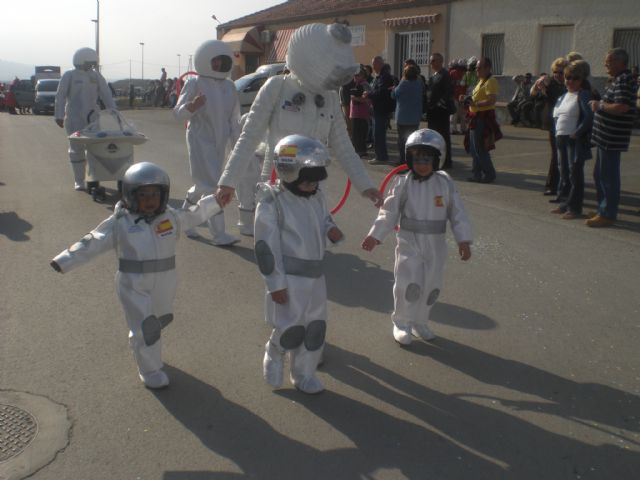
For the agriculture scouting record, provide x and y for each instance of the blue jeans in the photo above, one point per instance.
(570, 150)
(380, 123)
(606, 175)
(482, 163)
(566, 154)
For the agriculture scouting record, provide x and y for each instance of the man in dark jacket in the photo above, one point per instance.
(440, 103)
(380, 96)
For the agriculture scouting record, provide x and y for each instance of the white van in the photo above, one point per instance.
(248, 86)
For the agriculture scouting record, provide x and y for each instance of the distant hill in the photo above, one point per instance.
(10, 70)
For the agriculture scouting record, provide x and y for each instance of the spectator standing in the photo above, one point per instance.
(456, 73)
(163, 76)
(440, 103)
(613, 122)
(520, 105)
(546, 90)
(408, 95)
(360, 112)
(573, 121)
(345, 104)
(484, 130)
(380, 96)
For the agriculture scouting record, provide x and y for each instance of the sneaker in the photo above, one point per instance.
(423, 332)
(309, 384)
(403, 337)
(375, 161)
(154, 380)
(548, 193)
(272, 365)
(598, 222)
(225, 240)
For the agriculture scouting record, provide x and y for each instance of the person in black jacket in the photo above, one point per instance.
(383, 106)
(440, 103)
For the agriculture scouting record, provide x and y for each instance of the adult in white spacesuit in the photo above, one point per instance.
(77, 96)
(209, 102)
(292, 225)
(304, 102)
(143, 231)
(420, 202)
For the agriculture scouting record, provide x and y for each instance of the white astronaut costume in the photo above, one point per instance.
(76, 97)
(290, 242)
(304, 102)
(146, 277)
(212, 129)
(421, 209)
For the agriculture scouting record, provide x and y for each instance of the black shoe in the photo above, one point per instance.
(488, 180)
(549, 192)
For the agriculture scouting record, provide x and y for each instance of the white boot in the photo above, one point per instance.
(273, 364)
(423, 332)
(191, 232)
(218, 235)
(78, 175)
(403, 337)
(309, 384)
(245, 222)
(155, 380)
(303, 370)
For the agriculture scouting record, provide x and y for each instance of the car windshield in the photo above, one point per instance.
(243, 82)
(48, 86)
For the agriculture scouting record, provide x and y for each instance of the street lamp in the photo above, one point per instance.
(142, 45)
(97, 22)
(178, 65)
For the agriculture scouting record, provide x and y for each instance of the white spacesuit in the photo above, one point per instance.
(146, 248)
(77, 96)
(213, 125)
(304, 102)
(421, 206)
(291, 230)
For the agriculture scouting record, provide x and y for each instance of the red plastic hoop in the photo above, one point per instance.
(390, 175)
(341, 202)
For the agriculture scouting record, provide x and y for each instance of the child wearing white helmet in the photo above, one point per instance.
(292, 225)
(420, 202)
(143, 231)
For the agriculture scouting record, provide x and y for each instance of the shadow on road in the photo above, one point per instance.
(13, 227)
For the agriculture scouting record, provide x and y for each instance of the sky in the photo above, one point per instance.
(48, 32)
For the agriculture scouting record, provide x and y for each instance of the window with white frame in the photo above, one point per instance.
(629, 39)
(556, 41)
(493, 49)
(415, 45)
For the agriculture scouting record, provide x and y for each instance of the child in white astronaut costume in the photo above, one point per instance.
(292, 224)
(304, 102)
(420, 202)
(77, 96)
(209, 102)
(143, 231)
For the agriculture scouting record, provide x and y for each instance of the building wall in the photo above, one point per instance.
(521, 21)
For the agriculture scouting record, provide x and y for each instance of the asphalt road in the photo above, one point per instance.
(535, 373)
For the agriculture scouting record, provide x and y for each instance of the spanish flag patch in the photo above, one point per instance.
(288, 151)
(164, 228)
(438, 201)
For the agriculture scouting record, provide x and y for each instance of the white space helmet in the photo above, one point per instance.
(425, 138)
(471, 62)
(140, 174)
(85, 58)
(321, 56)
(295, 152)
(207, 52)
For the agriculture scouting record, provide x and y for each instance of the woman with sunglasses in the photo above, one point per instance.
(573, 120)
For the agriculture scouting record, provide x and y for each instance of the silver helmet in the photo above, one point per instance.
(295, 152)
(431, 140)
(140, 174)
(85, 58)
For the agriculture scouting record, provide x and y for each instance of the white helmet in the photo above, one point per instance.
(140, 174)
(85, 58)
(321, 56)
(471, 62)
(431, 140)
(207, 52)
(295, 152)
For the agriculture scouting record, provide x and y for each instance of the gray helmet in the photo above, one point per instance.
(140, 174)
(295, 152)
(426, 138)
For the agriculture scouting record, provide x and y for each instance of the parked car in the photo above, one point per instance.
(45, 96)
(25, 94)
(248, 85)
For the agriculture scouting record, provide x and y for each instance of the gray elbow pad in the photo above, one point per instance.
(264, 257)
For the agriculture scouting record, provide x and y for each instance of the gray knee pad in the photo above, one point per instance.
(151, 328)
(412, 294)
(264, 257)
(165, 319)
(292, 337)
(314, 337)
(433, 296)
